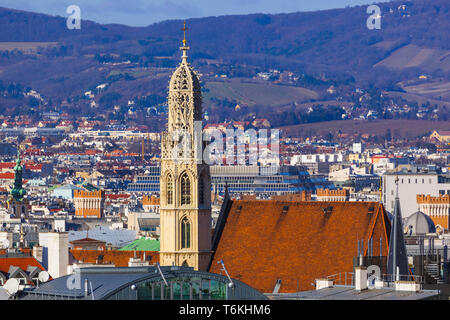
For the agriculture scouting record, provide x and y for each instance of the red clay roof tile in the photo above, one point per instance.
(260, 244)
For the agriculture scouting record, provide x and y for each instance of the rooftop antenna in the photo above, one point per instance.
(162, 275)
(231, 283)
(276, 289)
(92, 291)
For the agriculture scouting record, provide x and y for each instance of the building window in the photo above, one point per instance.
(185, 189)
(169, 189)
(185, 233)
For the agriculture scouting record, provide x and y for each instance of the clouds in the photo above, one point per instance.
(145, 12)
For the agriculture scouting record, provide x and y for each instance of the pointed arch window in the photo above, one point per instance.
(185, 233)
(169, 184)
(185, 189)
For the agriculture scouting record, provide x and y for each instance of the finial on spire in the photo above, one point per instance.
(184, 48)
(184, 30)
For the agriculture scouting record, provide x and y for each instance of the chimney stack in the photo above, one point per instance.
(360, 278)
(86, 286)
(323, 283)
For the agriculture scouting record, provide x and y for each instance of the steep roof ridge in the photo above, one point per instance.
(372, 227)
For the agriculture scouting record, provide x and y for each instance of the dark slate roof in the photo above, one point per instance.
(106, 281)
(349, 293)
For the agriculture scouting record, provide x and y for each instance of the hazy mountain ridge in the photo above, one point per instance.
(334, 46)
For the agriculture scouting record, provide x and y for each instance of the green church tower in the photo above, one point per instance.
(16, 202)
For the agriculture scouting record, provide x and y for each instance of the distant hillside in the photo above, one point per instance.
(256, 93)
(378, 128)
(326, 47)
(411, 56)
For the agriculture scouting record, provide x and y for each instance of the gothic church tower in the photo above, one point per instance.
(185, 208)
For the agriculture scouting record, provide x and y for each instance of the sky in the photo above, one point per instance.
(146, 12)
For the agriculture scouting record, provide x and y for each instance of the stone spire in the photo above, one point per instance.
(397, 250)
(185, 99)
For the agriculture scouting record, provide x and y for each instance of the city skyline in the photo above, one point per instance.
(301, 156)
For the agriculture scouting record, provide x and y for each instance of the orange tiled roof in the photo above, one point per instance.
(87, 241)
(21, 262)
(260, 244)
(116, 257)
(6, 175)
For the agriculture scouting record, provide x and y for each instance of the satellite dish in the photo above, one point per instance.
(4, 243)
(4, 294)
(12, 286)
(43, 276)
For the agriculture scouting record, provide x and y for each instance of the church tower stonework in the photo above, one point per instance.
(185, 208)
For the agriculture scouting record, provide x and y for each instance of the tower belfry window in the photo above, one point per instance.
(185, 234)
(169, 189)
(185, 189)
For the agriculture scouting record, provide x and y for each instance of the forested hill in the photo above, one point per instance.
(329, 45)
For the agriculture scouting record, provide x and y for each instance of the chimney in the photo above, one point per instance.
(6, 240)
(323, 283)
(38, 253)
(86, 286)
(408, 286)
(55, 255)
(360, 278)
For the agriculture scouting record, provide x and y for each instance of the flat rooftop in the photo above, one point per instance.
(341, 292)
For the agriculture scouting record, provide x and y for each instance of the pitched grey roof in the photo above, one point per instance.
(118, 238)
